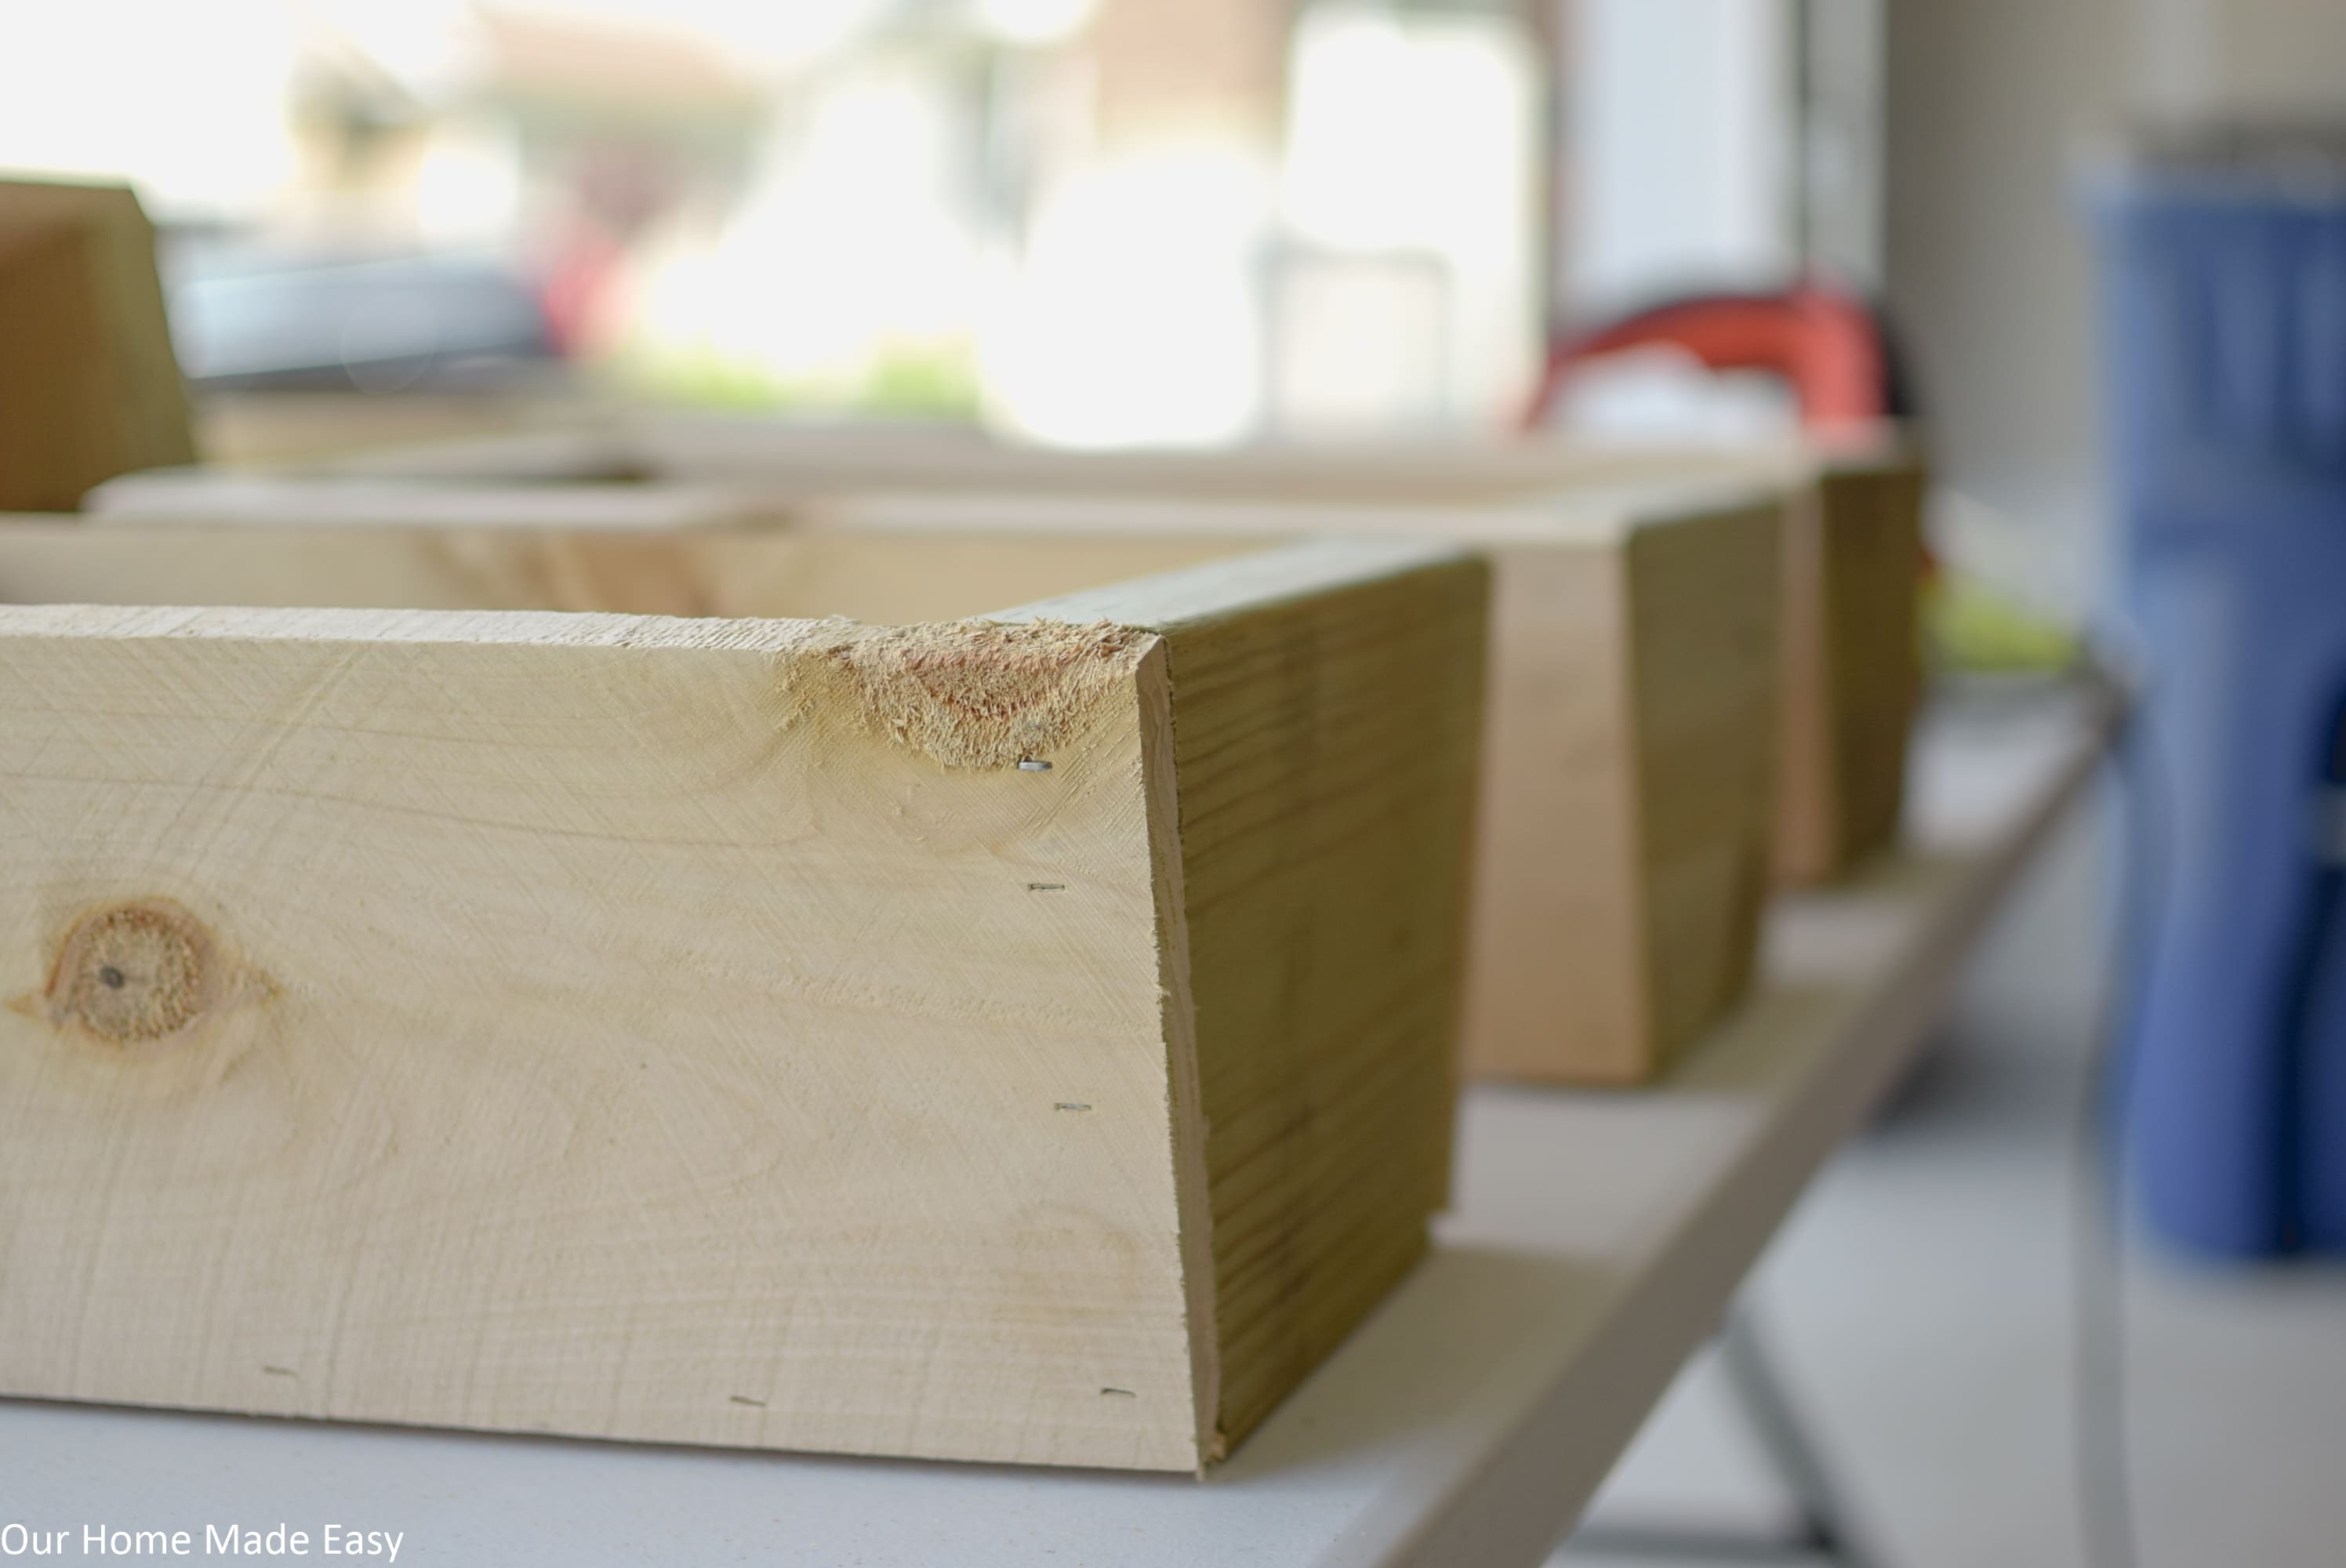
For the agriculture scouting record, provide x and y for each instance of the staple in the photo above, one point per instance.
(1033, 765)
(746, 1399)
(1047, 887)
(1071, 1106)
(1119, 1393)
(281, 1371)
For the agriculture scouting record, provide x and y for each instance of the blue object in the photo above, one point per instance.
(2224, 293)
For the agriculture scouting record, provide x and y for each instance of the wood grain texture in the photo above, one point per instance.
(1628, 774)
(1850, 674)
(89, 387)
(1559, 987)
(1851, 650)
(1326, 745)
(1595, 1242)
(1605, 942)
(627, 1026)
(1602, 945)
(1703, 662)
(1628, 796)
(903, 577)
(1849, 671)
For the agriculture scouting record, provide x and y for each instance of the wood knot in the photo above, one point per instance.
(132, 972)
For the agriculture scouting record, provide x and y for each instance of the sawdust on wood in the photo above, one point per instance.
(969, 694)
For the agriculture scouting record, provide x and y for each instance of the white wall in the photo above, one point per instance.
(1677, 137)
(1989, 103)
(2252, 57)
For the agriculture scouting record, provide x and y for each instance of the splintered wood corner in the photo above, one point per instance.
(1023, 1038)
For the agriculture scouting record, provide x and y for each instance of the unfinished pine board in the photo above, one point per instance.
(1628, 772)
(1853, 556)
(251, 426)
(1629, 769)
(1852, 543)
(1656, 950)
(769, 461)
(1852, 534)
(720, 1030)
(1852, 546)
(900, 575)
(1623, 853)
(1596, 1239)
(89, 387)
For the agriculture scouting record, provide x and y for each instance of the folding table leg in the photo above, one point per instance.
(1825, 1532)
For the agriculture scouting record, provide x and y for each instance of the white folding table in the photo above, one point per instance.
(1596, 1240)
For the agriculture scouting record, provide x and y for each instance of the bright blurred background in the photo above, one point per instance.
(1085, 221)
(1116, 221)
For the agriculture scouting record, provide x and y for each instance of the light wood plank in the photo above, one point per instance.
(1853, 538)
(582, 1039)
(1630, 620)
(898, 578)
(1702, 660)
(704, 1029)
(1326, 744)
(1596, 1239)
(89, 387)
(1615, 914)
(1628, 777)
(1853, 664)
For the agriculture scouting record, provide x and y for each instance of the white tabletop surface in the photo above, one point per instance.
(1597, 1237)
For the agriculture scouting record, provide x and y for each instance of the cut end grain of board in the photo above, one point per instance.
(969, 694)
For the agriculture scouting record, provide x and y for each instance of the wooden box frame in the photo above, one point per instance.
(1622, 855)
(1627, 789)
(1852, 535)
(1023, 1038)
(1629, 769)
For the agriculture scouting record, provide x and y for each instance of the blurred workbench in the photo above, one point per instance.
(1598, 1239)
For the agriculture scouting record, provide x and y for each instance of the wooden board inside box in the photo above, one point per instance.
(1853, 665)
(1628, 784)
(425, 1008)
(1628, 765)
(1851, 535)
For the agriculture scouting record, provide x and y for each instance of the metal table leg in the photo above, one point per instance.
(1825, 1533)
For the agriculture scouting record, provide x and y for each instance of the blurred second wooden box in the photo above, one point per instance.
(90, 386)
(1023, 1038)
(1852, 539)
(1623, 859)
(1629, 759)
